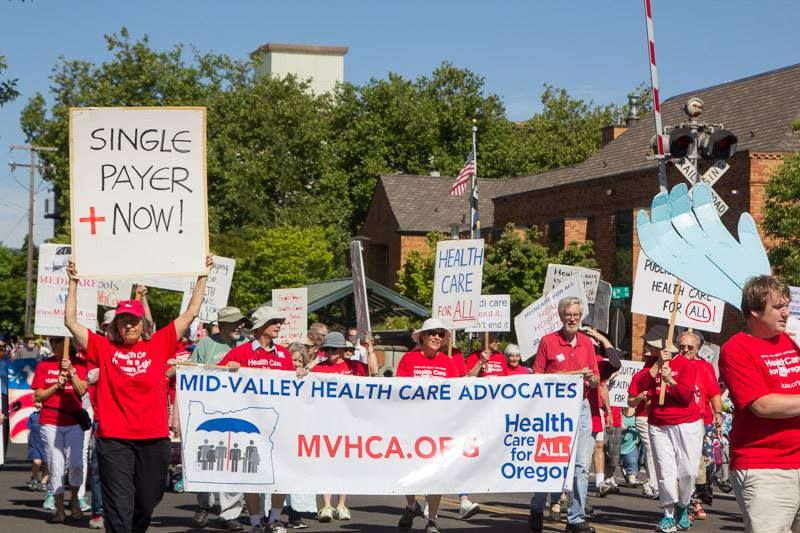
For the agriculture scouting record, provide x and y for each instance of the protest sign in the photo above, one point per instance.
(218, 287)
(619, 384)
(293, 304)
(111, 291)
(557, 274)
(51, 293)
(457, 282)
(138, 191)
(598, 311)
(177, 284)
(257, 431)
(494, 313)
(653, 296)
(541, 317)
(794, 304)
(359, 289)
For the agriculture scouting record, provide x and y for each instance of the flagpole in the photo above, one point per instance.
(474, 181)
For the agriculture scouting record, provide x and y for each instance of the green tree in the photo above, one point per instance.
(8, 87)
(415, 279)
(782, 219)
(12, 289)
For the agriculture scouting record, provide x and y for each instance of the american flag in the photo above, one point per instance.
(460, 185)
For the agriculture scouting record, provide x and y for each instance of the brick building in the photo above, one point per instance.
(597, 200)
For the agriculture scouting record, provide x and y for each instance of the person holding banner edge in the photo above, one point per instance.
(133, 436)
(568, 351)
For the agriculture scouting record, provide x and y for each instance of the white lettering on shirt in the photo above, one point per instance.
(131, 363)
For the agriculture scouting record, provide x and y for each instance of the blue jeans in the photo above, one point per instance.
(97, 487)
(630, 463)
(583, 448)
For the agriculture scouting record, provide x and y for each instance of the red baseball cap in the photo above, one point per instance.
(132, 307)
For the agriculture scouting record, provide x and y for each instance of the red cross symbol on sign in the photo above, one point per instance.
(92, 219)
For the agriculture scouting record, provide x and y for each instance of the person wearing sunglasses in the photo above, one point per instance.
(427, 362)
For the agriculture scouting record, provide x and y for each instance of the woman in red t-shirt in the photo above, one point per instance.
(59, 383)
(514, 361)
(489, 362)
(133, 436)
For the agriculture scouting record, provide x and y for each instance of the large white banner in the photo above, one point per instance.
(558, 274)
(619, 384)
(138, 191)
(457, 282)
(218, 288)
(541, 317)
(51, 293)
(494, 313)
(266, 431)
(653, 291)
(293, 303)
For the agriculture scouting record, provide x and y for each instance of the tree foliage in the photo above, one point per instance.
(415, 279)
(8, 87)
(12, 289)
(782, 219)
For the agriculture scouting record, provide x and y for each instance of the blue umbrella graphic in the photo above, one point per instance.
(229, 425)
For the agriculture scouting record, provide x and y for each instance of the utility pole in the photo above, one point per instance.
(33, 167)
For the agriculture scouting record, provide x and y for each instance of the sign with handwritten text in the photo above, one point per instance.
(457, 283)
(51, 293)
(138, 191)
(494, 313)
(218, 288)
(293, 304)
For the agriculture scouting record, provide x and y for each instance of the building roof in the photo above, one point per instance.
(759, 110)
(299, 49)
(423, 203)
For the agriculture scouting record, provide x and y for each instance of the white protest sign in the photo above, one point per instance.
(138, 191)
(51, 293)
(111, 291)
(494, 313)
(293, 304)
(541, 317)
(457, 282)
(349, 435)
(218, 288)
(359, 289)
(619, 384)
(177, 284)
(794, 304)
(653, 290)
(557, 274)
(598, 311)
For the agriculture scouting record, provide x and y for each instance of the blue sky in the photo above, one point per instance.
(596, 50)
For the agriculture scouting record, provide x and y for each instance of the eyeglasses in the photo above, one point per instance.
(329, 349)
(687, 347)
(571, 315)
(436, 332)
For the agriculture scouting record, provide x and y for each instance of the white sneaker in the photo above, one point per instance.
(468, 509)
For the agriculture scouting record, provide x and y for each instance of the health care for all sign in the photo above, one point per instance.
(653, 290)
(457, 282)
(138, 191)
(558, 274)
(267, 431)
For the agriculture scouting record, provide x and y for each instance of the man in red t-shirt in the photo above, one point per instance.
(263, 353)
(427, 362)
(567, 351)
(761, 368)
(489, 362)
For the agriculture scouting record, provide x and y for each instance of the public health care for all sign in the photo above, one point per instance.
(457, 282)
(558, 274)
(138, 191)
(653, 290)
(267, 431)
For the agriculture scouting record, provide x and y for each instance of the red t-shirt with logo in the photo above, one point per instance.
(131, 389)
(347, 367)
(458, 362)
(680, 400)
(45, 376)
(495, 366)
(417, 365)
(708, 386)
(556, 354)
(253, 355)
(519, 369)
(752, 368)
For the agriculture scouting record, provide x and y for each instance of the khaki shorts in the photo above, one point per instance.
(769, 499)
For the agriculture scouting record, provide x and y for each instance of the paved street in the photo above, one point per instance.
(20, 511)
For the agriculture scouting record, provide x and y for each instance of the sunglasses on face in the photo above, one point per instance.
(687, 347)
(436, 332)
(329, 349)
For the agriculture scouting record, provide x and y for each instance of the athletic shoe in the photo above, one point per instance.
(200, 517)
(85, 505)
(49, 502)
(579, 527)
(468, 509)
(633, 481)
(342, 513)
(276, 527)
(432, 527)
(682, 518)
(555, 512)
(31, 484)
(603, 490)
(409, 514)
(96, 522)
(230, 525)
(41, 487)
(325, 514)
(667, 525)
(536, 521)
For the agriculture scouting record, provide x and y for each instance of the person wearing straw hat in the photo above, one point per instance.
(675, 428)
(263, 352)
(426, 362)
(133, 435)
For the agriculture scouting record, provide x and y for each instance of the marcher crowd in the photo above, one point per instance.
(106, 409)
